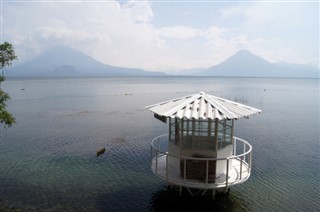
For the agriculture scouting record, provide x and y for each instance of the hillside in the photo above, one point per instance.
(65, 61)
(246, 64)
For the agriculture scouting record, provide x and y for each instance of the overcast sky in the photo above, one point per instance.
(165, 35)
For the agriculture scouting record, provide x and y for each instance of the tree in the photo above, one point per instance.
(7, 55)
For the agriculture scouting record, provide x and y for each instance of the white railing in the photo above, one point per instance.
(173, 168)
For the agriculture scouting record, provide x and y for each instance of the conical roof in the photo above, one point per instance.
(202, 106)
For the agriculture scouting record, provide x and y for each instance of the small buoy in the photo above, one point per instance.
(101, 151)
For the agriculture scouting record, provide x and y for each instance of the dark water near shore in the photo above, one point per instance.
(49, 163)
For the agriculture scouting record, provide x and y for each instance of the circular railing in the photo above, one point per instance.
(172, 168)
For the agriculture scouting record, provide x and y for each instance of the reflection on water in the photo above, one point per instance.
(168, 199)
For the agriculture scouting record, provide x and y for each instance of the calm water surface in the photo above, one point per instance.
(49, 163)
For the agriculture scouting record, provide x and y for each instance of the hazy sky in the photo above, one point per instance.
(165, 35)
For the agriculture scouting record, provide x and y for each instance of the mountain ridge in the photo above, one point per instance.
(65, 61)
(246, 64)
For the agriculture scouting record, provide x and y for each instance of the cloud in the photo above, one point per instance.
(138, 11)
(64, 33)
(278, 34)
(231, 11)
(124, 34)
(178, 32)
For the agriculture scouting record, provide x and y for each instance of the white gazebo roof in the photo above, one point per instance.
(202, 106)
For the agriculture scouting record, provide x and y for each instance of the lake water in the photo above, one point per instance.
(49, 162)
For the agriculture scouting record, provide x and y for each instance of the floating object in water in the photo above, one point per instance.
(101, 151)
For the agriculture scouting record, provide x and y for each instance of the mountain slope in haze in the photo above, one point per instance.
(246, 64)
(65, 61)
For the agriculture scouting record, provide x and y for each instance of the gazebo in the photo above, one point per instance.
(200, 151)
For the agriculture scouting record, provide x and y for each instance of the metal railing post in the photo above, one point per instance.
(244, 150)
(241, 168)
(227, 174)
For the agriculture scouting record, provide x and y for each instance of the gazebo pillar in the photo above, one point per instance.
(216, 127)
